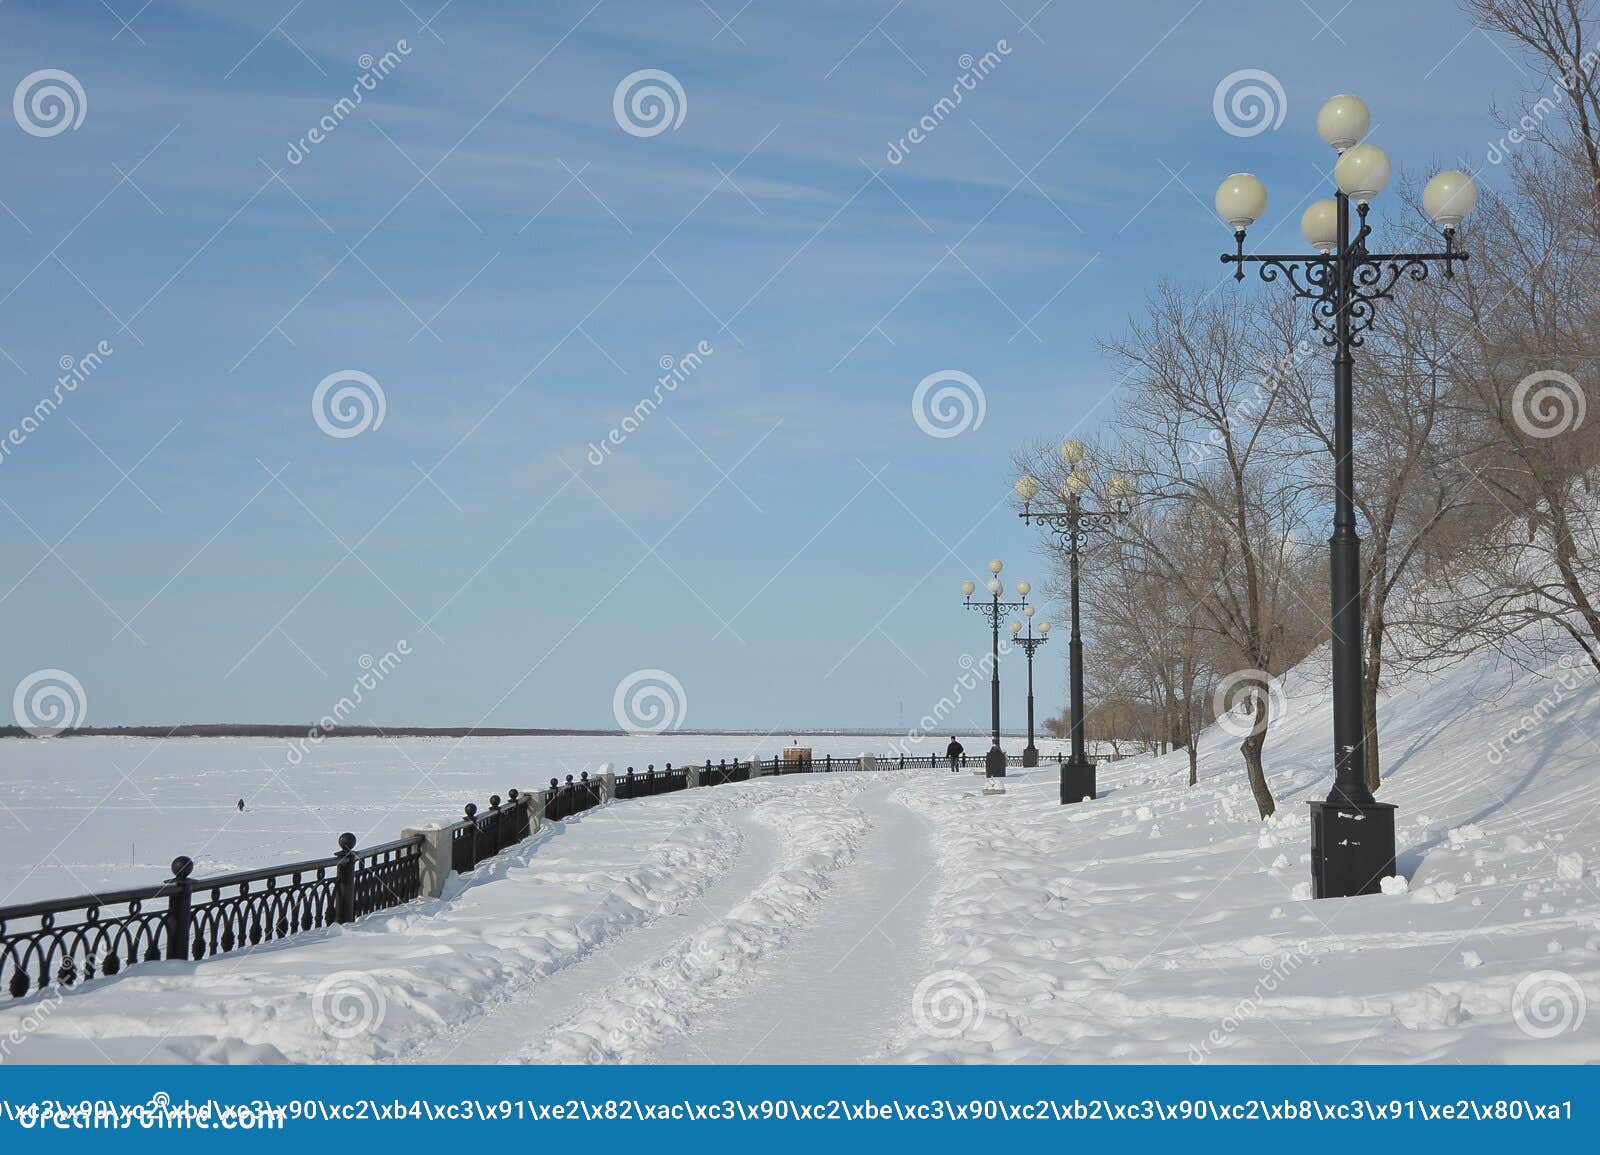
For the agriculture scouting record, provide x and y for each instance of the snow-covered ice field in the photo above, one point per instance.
(905, 917)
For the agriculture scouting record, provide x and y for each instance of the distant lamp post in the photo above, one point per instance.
(994, 764)
(1072, 522)
(1029, 644)
(1352, 834)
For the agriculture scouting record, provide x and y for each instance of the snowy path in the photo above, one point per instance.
(507, 1024)
(630, 920)
(828, 938)
(843, 986)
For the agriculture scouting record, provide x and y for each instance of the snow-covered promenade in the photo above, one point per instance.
(904, 916)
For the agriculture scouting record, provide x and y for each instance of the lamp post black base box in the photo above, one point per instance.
(1077, 782)
(1352, 848)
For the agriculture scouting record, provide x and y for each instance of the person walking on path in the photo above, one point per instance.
(953, 753)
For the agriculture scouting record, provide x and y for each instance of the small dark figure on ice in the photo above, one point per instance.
(953, 753)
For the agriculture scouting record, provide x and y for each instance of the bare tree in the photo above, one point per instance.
(1205, 451)
(1524, 375)
(1144, 652)
(1185, 649)
(1560, 35)
(1407, 492)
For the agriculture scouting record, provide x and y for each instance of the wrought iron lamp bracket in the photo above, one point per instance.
(1358, 277)
(1074, 524)
(993, 610)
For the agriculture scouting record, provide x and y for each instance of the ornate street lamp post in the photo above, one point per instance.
(994, 764)
(1072, 522)
(1352, 834)
(1030, 754)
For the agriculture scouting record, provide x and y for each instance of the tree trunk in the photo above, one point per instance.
(1369, 701)
(1251, 749)
(1369, 711)
(1565, 557)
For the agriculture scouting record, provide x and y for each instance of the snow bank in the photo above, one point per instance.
(380, 988)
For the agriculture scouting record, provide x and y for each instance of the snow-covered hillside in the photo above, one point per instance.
(907, 917)
(1167, 923)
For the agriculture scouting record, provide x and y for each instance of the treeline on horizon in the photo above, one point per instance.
(278, 730)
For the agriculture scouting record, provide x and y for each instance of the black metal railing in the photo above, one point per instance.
(828, 764)
(632, 784)
(565, 799)
(484, 834)
(213, 916)
(65, 941)
(721, 774)
(60, 942)
(389, 875)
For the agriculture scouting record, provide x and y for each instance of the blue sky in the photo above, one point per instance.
(483, 239)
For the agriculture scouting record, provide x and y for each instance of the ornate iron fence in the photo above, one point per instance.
(828, 764)
(60, 942)
(721, 774)
(483, 835)
(650, 783)
(389, 875)
(565, 799)
(925, 761)
(64, 941)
